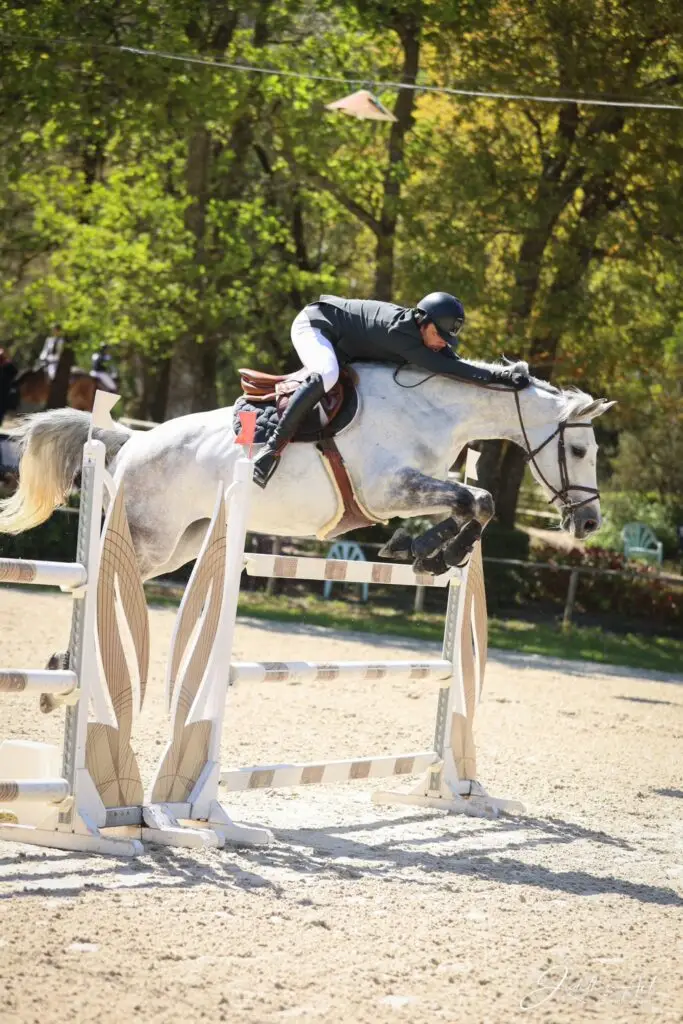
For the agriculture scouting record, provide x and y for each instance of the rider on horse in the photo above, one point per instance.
(102, 369)
(51, 351)
(335, 330)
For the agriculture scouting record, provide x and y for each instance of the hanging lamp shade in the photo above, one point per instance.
(362, 104)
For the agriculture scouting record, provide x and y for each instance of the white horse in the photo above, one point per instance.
(408, 431)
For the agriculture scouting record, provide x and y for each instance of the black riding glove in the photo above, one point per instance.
(512, 379)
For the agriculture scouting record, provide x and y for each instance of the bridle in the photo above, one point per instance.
(568, 506)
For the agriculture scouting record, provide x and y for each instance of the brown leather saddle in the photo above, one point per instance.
(274, 389)
(332, 414)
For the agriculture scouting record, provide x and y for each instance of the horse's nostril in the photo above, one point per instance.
(590, 526)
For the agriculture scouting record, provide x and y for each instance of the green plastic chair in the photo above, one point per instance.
(641, 542)
(347, 551)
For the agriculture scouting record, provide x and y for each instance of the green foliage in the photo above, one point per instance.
(498, 542)
(185, 213)
(640, 595)
(622, 507)
(53, 541)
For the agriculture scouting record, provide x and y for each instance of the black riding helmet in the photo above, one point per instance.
(446, 313)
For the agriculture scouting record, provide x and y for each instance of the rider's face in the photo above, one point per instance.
(431, 337)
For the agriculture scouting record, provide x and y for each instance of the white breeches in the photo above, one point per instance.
(104, 378)
(314, 350)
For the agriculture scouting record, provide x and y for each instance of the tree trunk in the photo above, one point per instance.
(156, 391)
(599, 199)
(59, 387)
(501, 471)
(190, 390)
(554, 190)
(409, 33)
(503, 464)
(501, 467)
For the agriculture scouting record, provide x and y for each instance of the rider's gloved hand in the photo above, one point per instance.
(513, 379)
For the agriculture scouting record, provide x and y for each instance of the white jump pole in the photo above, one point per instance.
(32, 681)
(337, 671)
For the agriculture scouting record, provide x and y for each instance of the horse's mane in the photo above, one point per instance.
(572, 399)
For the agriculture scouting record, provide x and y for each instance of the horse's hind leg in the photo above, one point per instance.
(451, 540)
(187, 548)
(163, 545)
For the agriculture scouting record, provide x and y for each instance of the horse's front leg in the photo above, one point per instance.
(451, 540)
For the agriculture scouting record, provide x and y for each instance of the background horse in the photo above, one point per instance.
(408, 431)
(33, 389)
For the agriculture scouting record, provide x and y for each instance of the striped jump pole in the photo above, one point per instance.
(336, 569)
(337, 671)
(30, 681)
(317, 773)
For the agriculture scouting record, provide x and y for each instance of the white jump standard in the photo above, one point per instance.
(88, 796)
(47, 795)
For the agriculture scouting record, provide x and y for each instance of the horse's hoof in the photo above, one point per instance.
(399, 547)
(435, 538)
(461, 546)
(434, 565)
(58, 662)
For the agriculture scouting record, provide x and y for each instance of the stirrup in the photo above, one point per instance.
(269, 460)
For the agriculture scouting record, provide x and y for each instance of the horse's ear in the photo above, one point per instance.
(595, 409)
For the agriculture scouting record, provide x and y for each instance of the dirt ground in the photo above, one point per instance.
(365, 914)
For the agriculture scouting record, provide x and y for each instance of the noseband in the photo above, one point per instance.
(568, 506)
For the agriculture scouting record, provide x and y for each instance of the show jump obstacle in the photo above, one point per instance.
(89, 795)
(450, 779)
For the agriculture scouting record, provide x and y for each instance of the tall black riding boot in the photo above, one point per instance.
(302, 401)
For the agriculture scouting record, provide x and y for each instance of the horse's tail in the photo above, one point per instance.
(51, 451)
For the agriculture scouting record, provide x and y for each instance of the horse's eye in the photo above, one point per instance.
(577, 451)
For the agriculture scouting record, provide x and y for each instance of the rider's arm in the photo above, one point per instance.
(444, 361)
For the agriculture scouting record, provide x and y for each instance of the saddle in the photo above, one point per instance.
(268, 395)
(276, 390)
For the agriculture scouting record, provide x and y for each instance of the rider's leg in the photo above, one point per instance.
(319, 358)
(315, 351)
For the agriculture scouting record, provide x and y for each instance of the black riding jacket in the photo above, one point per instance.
(364, 329)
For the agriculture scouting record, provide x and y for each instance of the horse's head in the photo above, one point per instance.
(563, 457)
